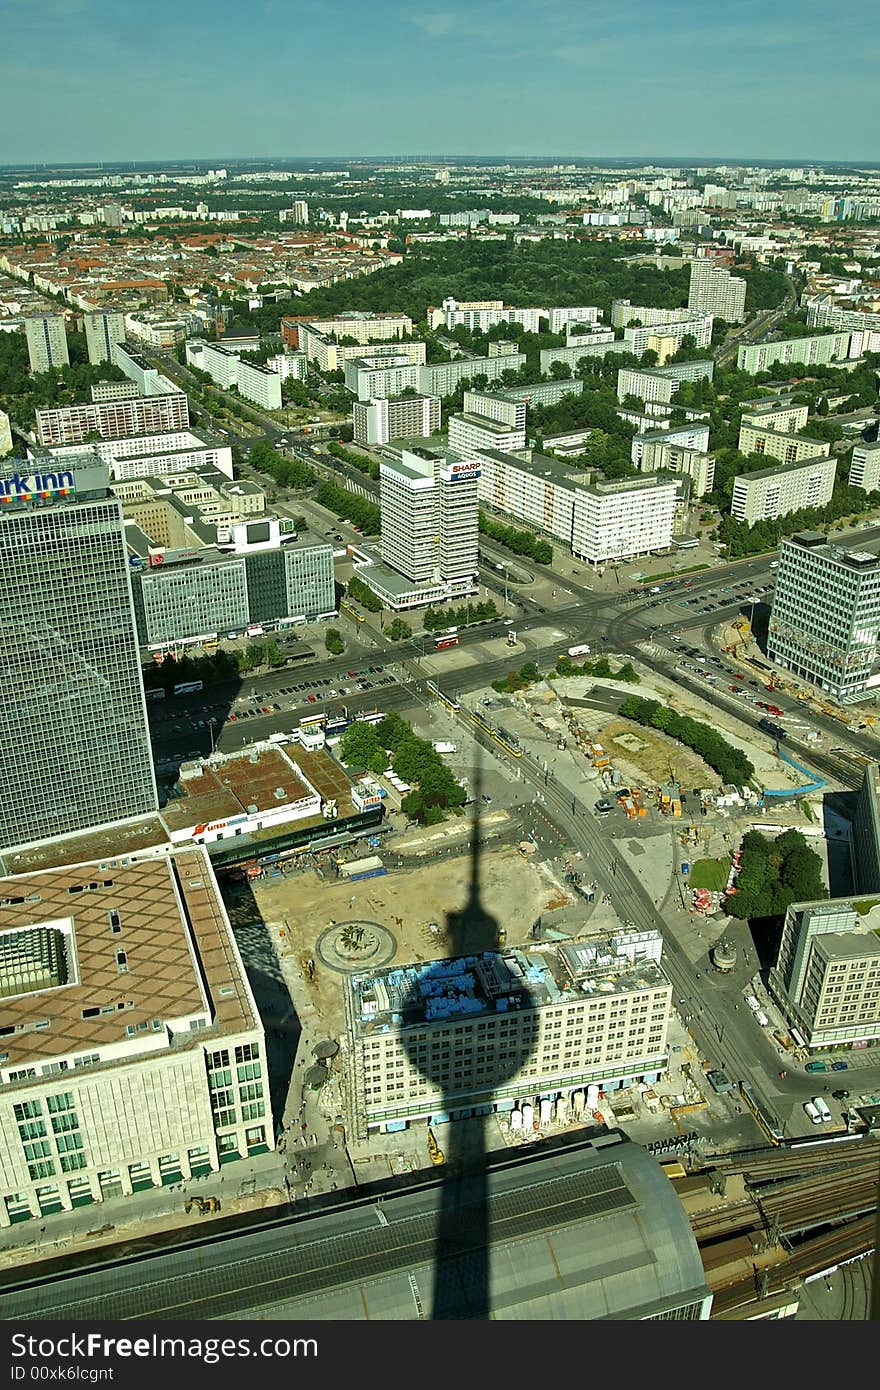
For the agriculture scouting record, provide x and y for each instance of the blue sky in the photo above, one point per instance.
(105, 79)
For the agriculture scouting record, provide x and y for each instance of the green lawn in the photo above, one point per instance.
(709, 873)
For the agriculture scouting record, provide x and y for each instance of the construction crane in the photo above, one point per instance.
(436, 1153)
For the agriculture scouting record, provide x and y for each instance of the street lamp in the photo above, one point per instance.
(212, 724)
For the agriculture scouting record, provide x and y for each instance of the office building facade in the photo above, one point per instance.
(826, 978)
(825, 614)
(769, 493)
(104, 328)
(404, 417)
(46, 342)
(432, 1038)
(72, 424)
(73, 723)
(135, 1057)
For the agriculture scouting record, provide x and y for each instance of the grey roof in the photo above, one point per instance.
(593, 1231)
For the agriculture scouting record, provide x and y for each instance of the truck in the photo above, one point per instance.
(810, 1109)
(582, 649)
(441, 747)
(824, 1112)
(774, 730)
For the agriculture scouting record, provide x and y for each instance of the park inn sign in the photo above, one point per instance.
(28, 487)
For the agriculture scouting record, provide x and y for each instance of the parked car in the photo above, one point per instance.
(839, 1066)
(816, 1066)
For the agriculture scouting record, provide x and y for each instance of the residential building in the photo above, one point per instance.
(487, 421)
(292, 365)
(768, 493)
(779, 414)
(826, 979)
(825, 614)
(73, 722)
(148, 379)
(542, 392)
(300, 212)
(623, 313)
(46, 341)
(373, 378)
(600, 344)
(500, 1028)
(667, 338)
(228, 368)
(713, 290)
(444, 378)
(660, 384)
(404, 417)
(776, 444)
(134, 1055)
(143, 455)
(72, 424)
(660, 451)
(430, 536)
(818, 350)
(114, 391)
(864, 468)
(693, 435)
(104, 327)
(330, 343)
(598, 521)
(259, 384)
(824, 312)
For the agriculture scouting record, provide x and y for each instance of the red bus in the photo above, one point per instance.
(443, 642)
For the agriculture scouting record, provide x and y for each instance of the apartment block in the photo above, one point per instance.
(373, 378)
(103, 329)
(598, 521)
(864, 468)
(146, 455)
(148, 380)
(600, 344)
(71, 424)
(769, 493)
(826, 978)
(134, 1055)
(444, 378)
(542, 392)
(669, 335)
(330, 343)
(661, 452)
(289, 365)
(779, 414)
(46, 341)
(825, 614)
(715, 291)
(659, 384)
(102, 391)
(487, 422)
(501, 1028)
(227, 368)
(810, 351)
(404, 417)
(787, 448)
(259, 384)
(694, 435)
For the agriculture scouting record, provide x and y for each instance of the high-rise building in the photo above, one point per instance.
(401, 417)
(779, 444)
(74, 743)
(487, 422)
(103, 329)
(5, 435)
(864, 469)
(72, 424)
(768, 493)
(47, 341)
(715, 291)
(825, 613)
(814, 350)
(826, 978)
(301, 212)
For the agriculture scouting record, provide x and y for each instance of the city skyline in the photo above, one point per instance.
(533, 81)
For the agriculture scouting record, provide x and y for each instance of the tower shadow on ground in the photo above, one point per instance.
(466, 1083)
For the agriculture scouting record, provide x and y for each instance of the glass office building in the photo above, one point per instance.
(74, 743)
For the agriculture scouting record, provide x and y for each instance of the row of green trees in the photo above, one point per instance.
(436, 619)
(365, 748)
(359, 461)
(214, 668)
(520, 542)
(22, 394)
(362, 593)
(729, 762)
(292, 473)
(350, 507)
(529, 674)
(775, 873)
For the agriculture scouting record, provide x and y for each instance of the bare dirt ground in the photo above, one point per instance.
(513, 890)
(660, 758)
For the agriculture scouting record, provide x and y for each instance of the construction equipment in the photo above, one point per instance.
(436, 1153)
(205, 1206)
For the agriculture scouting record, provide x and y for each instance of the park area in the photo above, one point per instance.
(710, 873)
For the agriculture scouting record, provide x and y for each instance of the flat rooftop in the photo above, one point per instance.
(786, 467)
(493, 982)
(164, 917)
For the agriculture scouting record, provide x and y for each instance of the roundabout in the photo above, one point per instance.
(349, 947)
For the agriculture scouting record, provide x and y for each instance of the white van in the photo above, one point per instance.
(813, 1113)
(824, 1112)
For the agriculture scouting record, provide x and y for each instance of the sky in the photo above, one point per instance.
(88, 80)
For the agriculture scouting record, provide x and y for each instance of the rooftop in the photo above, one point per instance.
(139, 946)
(781, 468)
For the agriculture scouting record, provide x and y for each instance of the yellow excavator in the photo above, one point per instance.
(434, 1149)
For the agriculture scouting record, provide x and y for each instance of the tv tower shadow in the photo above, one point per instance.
(480, 1033)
